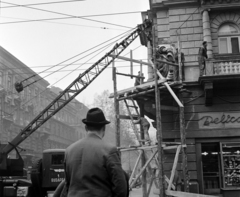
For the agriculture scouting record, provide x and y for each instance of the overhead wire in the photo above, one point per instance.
(73, 58)
(48, 21)
(33, 67)
(81, 69)
(74, 62)
(69, 15)
(34, 4)
(58, 81)
(103, 48)
(60, 70)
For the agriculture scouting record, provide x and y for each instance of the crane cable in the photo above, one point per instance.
(19, 84)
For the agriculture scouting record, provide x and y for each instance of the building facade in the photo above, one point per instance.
(18, 109)
(212, 101)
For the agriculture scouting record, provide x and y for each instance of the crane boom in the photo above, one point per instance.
(75, 88)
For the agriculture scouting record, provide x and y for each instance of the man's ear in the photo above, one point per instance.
(86, 128)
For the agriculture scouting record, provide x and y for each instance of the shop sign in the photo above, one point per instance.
(219, 120)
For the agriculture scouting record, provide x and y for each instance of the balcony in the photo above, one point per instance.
(220, 74)
(223, 67)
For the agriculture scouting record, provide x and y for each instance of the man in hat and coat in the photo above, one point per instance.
(93, 167)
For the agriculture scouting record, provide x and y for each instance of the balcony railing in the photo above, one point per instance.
(222, 67)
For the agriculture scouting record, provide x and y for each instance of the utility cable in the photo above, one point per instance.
(79, 17)
(103, 48)
(33, 67)
(73, 62)
(70, 59)
(81, 69)
(63, 77)
(54, 2)
(48, 21)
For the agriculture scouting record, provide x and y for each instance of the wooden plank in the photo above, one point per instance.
(184, 194)
(174, 167)
(130, 75)
(142, 86)
(141, 62)
(125, 117)
(135, 167)
(167, 180)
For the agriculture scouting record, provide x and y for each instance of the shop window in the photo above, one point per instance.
(229, 39)
(211, 168)
(231, 164)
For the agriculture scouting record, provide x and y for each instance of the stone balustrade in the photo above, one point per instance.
(222, 67)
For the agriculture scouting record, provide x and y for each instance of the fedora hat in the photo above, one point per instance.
(96, 117)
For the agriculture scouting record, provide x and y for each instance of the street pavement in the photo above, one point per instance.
(137, 192)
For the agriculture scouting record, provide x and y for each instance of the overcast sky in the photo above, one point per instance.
(42, 43)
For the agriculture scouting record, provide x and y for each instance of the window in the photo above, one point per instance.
(229, 38)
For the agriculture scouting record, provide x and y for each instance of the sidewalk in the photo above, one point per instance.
(137, 192)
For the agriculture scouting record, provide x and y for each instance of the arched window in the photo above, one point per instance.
(228, 38)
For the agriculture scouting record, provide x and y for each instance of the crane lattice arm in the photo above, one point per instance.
(75, 88)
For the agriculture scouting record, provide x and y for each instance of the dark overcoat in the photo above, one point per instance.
(93, 169)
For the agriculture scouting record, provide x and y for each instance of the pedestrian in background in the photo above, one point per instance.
(93, 167)
(202, 56)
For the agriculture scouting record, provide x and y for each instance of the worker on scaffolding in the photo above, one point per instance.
(139, 79)
(182, 63)
(145, 127)
(202, 56)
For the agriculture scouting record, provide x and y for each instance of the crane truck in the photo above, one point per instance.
(48, 172)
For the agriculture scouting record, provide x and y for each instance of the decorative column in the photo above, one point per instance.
(207, 33)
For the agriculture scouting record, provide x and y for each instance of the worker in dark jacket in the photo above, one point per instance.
(202, 56)
(92, 166)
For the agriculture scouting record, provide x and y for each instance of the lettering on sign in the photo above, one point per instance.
(54, 180)
(219, 120)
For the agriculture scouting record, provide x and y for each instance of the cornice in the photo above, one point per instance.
(221, 6)
(174, 3)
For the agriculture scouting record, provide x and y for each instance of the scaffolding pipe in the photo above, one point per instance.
(116, 106)
(167, 86)
(143, 157)
(159, 127)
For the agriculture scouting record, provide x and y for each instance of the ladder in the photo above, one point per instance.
(132, 114)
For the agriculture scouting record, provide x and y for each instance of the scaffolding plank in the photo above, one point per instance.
(128, 117)
(135, 88)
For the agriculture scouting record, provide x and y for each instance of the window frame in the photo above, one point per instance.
(228, 36)
(229, 45)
